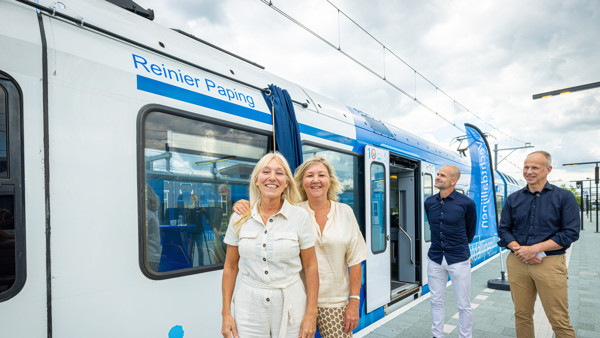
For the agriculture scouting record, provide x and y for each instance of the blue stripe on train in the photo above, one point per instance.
(177, 93)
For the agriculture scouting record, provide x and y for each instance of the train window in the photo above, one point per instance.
(499, 204)
(427, 191)
(347, 170)
(378, 209)
(194, 172)
(12, 240)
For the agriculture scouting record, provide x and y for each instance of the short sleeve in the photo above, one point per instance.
(306, 238)
(357, 248)
(232, 236)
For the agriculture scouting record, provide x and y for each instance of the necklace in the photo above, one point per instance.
(265, 216)
(323, 211)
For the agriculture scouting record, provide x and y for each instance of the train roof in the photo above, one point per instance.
(507, 179)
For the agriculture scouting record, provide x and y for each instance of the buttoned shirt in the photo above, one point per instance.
(338, 247)
(270, 253)
(534, 217)
(453, 221)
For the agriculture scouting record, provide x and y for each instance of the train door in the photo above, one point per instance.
(404, 227)
(377, 227)
(427, 179)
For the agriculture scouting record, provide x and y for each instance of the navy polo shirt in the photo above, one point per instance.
(453, 221)
(534, 217)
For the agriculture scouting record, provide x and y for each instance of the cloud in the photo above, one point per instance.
(178, 14)
(489, 56)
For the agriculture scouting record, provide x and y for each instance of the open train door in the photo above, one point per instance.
(427, 179)
(377, 227)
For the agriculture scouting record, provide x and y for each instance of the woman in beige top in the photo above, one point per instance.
(339, 245)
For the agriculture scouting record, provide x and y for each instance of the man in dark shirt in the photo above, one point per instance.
(453, 220)
(538, 223)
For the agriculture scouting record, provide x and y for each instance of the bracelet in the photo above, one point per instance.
(355, 297)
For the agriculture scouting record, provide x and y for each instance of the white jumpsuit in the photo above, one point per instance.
(270, 300)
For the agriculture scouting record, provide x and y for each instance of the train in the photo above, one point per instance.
(124, 145)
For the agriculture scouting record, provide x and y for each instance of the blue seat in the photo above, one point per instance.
(173, 257)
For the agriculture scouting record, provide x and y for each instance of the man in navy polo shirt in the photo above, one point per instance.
(538, 223)
(453, 221)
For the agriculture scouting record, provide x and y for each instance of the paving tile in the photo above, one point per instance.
(586, 334)
(493, 310)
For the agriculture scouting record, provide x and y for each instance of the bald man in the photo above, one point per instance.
(453, 220)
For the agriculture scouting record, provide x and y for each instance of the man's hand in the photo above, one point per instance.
(526, 253)
(535, 260)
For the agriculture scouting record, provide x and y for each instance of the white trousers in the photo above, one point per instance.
(460, 274)
(259, 312)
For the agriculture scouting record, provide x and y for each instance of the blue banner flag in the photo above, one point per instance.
(482, 188)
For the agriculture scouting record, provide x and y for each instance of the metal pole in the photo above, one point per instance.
(502, 283)
(587, 207)
(581, 204)
(590, 201)
(597, 197)
(495, 156)
(502, 277)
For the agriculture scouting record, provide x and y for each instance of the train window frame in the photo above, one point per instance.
(427, 229)
(142, 180)
(358, 181)
(12, 183)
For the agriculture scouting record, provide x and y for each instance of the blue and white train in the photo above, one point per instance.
(122, 147)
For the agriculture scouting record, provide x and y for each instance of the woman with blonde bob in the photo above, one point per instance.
(339, 245)
(269, 245)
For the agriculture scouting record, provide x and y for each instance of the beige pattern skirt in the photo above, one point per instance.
(330, 321)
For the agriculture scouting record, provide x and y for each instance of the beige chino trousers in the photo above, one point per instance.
(549, 281)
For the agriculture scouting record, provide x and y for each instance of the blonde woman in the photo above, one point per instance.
(339, 245)
(269, 245)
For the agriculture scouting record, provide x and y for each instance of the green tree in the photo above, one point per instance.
(573, 190)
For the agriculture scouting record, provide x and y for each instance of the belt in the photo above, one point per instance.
(287, 315)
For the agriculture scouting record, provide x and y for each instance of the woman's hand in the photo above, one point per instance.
(228, 326)
(230, 271)
(351, 316)
(241, 207)
(308, 328)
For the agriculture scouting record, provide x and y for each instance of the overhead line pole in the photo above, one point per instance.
(589, 197)
(596, 179)
(579, 184)
(496, 150)
(502, 283)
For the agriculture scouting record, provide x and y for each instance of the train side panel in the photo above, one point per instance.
(23, 310)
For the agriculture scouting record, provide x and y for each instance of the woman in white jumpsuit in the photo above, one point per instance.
(269, 245)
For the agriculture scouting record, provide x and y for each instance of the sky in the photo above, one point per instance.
(489, 56)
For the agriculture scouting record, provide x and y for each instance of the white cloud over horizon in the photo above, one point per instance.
(489, 56)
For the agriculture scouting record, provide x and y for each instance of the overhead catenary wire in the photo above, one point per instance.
(383, 77)
(284, 14)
